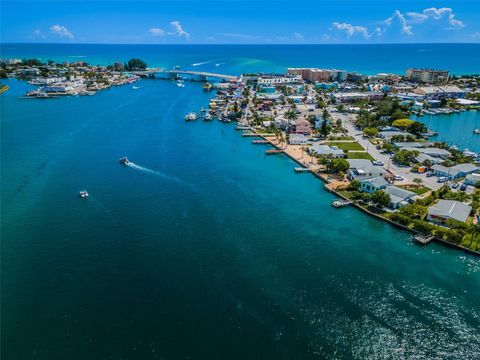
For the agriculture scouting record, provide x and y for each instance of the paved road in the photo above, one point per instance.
(347, 122)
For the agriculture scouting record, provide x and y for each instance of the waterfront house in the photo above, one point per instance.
(454, 172)
(472, 179)
(326, 150)
(398, 196)
(302, 126)
(387, 135)
(431, 151)
(361, 169)
(345, 97)
(439, 92)
(371, 185)
(424, 157)
(297, 139)
(445, 210)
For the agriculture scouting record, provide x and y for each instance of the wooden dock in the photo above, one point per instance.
(423, 239)
(273, 151)
(341, 203)
(240, 127)
(301, 169)
(250, 135)
(260, 142)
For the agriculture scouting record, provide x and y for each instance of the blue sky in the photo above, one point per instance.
(240, 22)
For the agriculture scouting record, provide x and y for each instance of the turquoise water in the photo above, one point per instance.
(455, 129)
(207, 249)
(235, 59)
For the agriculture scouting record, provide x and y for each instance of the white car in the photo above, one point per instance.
(398, 178)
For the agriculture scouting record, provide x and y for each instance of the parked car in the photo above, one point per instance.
(398, 178)
(430, 174)
(378, 147)
(463, 187)
(378, 163)
(454, 186)
(442, 179)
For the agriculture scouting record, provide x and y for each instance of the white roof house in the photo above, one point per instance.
(398, 196)
(448, 209)
(297, 139)
(327, 150)
(361, 169)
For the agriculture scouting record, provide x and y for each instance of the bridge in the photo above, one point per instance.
(175, 74)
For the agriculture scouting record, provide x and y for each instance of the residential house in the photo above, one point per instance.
(297, 139)
(361, 169)
(302, 126)
(454, 172)
(472, 179)
(325, 150)
(398, 196)
(371, 185)
(445, 210)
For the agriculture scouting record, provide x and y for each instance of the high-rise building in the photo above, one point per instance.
(427, 75)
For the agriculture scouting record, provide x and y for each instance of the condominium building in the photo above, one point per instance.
(319, 75)
(427, 75)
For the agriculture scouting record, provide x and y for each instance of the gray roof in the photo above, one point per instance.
(455, 170)
(376, 181)
(297, 137)
(398, 194)
(450, 208)
(412, 144)
(327, 150)
(434, 160)
(366, 166)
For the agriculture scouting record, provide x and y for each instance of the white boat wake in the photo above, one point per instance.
(202, 63)
(217, 65)
(135, 87)
(154, 172)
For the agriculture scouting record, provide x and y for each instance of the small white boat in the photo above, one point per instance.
(83, 194)
(469, 153)
(135, 87)
(208, 117)
(191, 116)
(180, 83)
(476, 131)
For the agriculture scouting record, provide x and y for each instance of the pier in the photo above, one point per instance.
(174, 74)
(274, 151)
(423, 239)
(260, 142)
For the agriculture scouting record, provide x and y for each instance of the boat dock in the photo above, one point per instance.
(260, 142)
(273, 151)
(301, 169)
(240, 127)
(341, 203)
(423, 239)
(248, 134)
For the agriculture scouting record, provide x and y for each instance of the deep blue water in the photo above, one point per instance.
(207, 249)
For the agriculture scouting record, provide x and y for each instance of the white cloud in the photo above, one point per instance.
(156, 32)
(397, 19)
(299, 37)
(179, 30)
(61, 31)
(436, 15)
(351, 30)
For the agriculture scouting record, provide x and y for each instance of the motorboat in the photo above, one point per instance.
(191, 116)
(124, 160)
(208, 117)
(83, 194)
(476, 131)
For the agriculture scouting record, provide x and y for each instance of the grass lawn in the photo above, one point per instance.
(417, 190)
(359, 155)
(333, 138)
(346, 145)
(472, 244)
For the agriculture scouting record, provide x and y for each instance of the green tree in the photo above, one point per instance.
(338, 165)
(136, 64)
(381, 198)
(370, 132)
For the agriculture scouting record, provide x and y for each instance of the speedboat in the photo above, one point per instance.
(208, 117)
(191, 116)
(124, 160)
(180, 83)
(476, 131)
(83, 194)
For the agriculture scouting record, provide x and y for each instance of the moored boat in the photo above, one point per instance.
(191, 116)
(83, 194)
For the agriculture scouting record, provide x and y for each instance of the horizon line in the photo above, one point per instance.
(238, 44)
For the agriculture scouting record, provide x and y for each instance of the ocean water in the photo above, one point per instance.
(205, 248)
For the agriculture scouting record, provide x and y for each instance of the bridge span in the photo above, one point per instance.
(175, 74)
